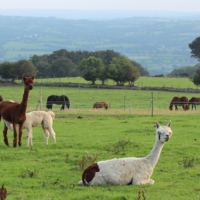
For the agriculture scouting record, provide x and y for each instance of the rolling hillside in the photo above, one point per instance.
(159, 44)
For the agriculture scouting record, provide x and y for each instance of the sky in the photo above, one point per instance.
(146, 5)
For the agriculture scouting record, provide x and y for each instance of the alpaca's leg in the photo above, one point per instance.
(29, 137)
(149, 181)
(142, 182)
(53, 134)
(20, 134)
(46, 135)
(5, 130)
(14, 135)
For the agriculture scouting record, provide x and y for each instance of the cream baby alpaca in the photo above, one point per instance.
(130, 170)
(37, 118)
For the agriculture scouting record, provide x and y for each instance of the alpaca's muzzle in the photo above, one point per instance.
(30, 87)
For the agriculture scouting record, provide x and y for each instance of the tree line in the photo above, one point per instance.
(195, 53)
(92, 66)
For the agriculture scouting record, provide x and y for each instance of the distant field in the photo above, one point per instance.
(17, 49)
(83, 98)
(141, 82)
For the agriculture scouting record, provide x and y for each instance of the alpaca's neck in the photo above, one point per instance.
(24, 102)
(155, 153)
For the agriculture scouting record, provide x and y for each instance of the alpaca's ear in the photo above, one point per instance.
(169, 123)
(157, 125)
(33, 77)
(24, 78)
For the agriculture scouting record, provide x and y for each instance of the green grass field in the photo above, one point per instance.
(141, 82)
(126, 129)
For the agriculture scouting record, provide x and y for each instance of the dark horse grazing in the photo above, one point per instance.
(182, 101)
(194, 101)
(15, 113)
(100, 105)
(59, 100)
(1, 99)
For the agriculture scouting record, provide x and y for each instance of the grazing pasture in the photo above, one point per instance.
(85, 135)
(141, 82)
(53, 171)
(84, 98)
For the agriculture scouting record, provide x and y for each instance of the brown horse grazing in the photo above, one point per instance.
(194, 101)
(101, 105)
(182, 101)
(15, 113)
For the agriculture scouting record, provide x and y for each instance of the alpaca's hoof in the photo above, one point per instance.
(6, 142)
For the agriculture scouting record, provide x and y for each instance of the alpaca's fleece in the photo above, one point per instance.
(130, 170)
(37, 118)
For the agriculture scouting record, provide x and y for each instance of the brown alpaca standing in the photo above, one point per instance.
(15, 113)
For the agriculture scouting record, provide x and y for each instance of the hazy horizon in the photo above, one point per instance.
(145, 5)
(96, 14)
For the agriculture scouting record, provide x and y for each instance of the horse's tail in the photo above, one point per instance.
(66, 100)
(106, 105)
(95, 105)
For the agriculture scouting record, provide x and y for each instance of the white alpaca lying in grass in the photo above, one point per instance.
(131, 170)
(36, 118)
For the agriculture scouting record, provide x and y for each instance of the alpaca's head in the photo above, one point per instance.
(28, 82)
(163, 133)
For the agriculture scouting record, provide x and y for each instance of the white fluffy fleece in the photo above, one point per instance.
(37, 118)
(131, 170)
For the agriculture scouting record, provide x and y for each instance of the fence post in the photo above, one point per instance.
(152, 104)
(40, 100)
(124, 102)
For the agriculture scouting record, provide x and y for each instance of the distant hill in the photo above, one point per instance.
(97, 14)
(159, 44)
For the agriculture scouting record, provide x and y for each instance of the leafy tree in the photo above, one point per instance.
(61, 67)
(103, 75)
(106, 56)
(196, 78)
(91, 68)
(42, 64)
(122, 70)
(142, 70)
(5, 70)
(57, 54)
(186, 70)
(24, 67)
(195, 48)
(15, 70)
(130, 74)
